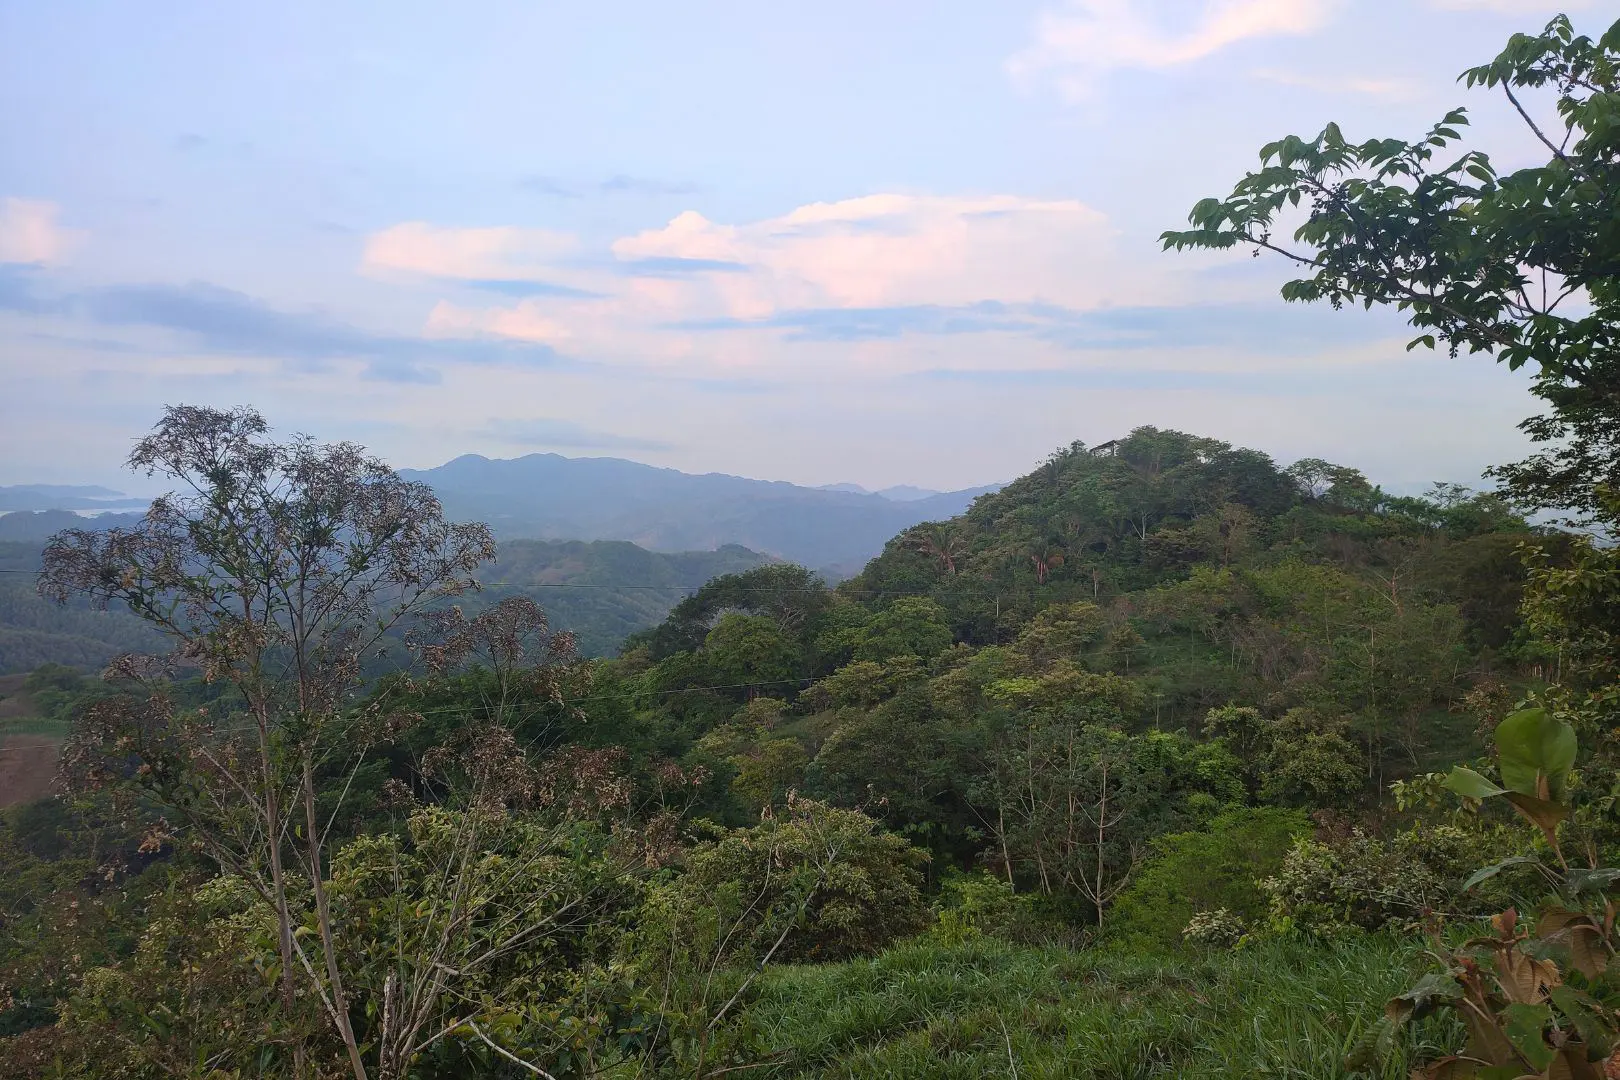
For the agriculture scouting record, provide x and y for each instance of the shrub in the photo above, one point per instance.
(816, 883)
(1358, 882)
(979, 904)
(1219, 928)
(1216, 868)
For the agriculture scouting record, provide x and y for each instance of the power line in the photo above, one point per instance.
(688, 589)
(655, 693)
(560, 701)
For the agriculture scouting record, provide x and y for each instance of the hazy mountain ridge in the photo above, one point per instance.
(551, 497)
(37, 526)
(548, 496)
(65, 497)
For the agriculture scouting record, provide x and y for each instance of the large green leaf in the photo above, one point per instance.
(1591, 1019)
(1581, 881)
(1491, 871)
(1524, 1025)
(1470, 784)
(1534, 745)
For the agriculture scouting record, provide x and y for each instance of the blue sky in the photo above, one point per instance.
(881, 242)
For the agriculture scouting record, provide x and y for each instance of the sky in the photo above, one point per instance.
(893, 242)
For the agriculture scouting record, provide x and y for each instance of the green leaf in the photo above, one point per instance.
(1491, 871)
(1471, 785)
(1523, 1026)
(1585, 881)
(1534, 745)
(1594, 1023)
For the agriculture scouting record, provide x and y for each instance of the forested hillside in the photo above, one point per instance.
(601, 592)
(1166, 760)
(34, 527)
(1246, 631)
(34, 631)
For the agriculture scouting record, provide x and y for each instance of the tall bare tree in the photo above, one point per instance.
(278, 569)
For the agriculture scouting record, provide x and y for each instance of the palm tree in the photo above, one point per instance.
(941, 543)
(1044, 557)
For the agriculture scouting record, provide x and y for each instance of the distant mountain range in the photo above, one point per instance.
(547, 496)
(35, 526)
(835, 529)
(898, 493)
(65, 497)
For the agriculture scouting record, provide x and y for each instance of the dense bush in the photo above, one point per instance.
(1358, 882)
(815, 883)
(1217, 868)
(979, 904)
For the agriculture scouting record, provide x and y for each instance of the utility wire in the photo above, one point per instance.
(561, 701)
(688, 589)
(633, 694)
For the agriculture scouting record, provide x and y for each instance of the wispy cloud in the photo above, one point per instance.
(1260, 328)
(887, 249)
(500, 253)
(1077, 45)
(29, 232)
(1385, 89)
(523, 288)
(640, 185)
(675, 266)
(548, 185)
(862, 269)
(618, 184)
(222, 321)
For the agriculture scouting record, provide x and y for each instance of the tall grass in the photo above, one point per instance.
(990, 1009)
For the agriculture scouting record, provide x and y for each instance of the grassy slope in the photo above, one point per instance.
(985, 1008)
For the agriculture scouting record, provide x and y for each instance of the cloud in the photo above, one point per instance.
(1077, 45)
(1385, 89)
(635, 185)
(29, 232)
(506, 253)
(613, 185)
(565, 435)
(524, 322)
(705, 298)
(664, 290)
(886, 249)
(1253, 327)
(223, 321)
(522, 288)
(546, 185)
(672, 266)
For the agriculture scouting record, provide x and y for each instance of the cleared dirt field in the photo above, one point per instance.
(27, 752)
